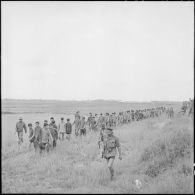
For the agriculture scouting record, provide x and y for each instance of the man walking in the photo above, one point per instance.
(111, 145)
(61, 129)
(83, 126)
(191, 108)
(94, 124)
(89, 121)
(54, 131)
(68, 129)
(100, 121)
(46, 138)
(20, 125)
(77, 122)
(37, 132)
(31, 135)
(107, 119)
(100, 141)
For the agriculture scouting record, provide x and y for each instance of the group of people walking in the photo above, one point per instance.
(45, 138)
(170, 112)
(112, 119)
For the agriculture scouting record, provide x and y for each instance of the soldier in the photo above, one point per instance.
(61, 129)
(171, 112)
(117, 119)
(107, 119)
(54, 131)
(46, 139)
(31, 135)
(132, 115)
(125, 119)
(68, 129)
(183, 108)
(110, 121)
(110, 143)
(93, 124)
(136, 115)
(83, 126)
(77, 123)
(100, 120)
(114, 119)
(191, 108)
(141, 115)
(122, 118)
(37, 133)
(96, 118)
(89, 121)
(128, 116)
(100, 141)
(156, 113)
(19, 129)
(167, 112)
(152, 112)
(102, 132)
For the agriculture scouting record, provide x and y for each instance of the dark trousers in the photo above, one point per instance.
(83, 131)
(54, 143)
(43, 147)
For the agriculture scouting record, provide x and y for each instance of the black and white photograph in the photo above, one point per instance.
(97, 97)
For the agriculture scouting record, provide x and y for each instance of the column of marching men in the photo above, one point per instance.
(45, 138)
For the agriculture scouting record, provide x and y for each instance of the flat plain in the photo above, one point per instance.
(156, 151)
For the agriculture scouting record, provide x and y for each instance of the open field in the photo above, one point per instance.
(70, 107)
(158, 152)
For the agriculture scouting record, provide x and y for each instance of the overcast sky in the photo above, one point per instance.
(131, 51)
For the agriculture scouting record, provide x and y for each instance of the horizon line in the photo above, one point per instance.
(117, 100)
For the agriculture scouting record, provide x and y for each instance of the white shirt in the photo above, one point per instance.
(61, 127)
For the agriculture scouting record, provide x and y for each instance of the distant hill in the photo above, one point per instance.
(10, 106)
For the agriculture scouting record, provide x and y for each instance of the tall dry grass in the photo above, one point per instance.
(158, 152)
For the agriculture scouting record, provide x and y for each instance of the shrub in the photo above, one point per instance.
(152, 171)
(180, 146)
(163, 153)
(156, 149)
